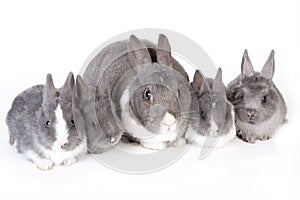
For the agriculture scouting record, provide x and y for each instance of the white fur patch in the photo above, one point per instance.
(225, 139)
(213, 128)
(148, 139)
(14, 145)
(168, 123)
(43, 164)
(199, 140)
(61, 130)
(57, 155)
(66, 157)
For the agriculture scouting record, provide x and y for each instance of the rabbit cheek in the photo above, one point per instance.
(61, 131)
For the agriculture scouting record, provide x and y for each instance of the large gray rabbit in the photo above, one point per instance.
(259, 106)
(144, 92)
(212, 115)
(41, 125)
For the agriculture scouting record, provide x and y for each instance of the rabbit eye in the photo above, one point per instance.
(147, 94)
(94, 124)
(47, 124)
(241, 95)
(264, 99)
(202, 114)
(72, 123)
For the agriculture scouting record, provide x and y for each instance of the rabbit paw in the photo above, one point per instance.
(265, 137)
(44, 164)
(246, 137)
(69, 161)
(284, 121)
(179, 143)
(154, 145)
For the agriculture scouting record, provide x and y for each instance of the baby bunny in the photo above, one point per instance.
(212, 118)
(41, 124)
(85, 110)
(259, 106)
(144, 94)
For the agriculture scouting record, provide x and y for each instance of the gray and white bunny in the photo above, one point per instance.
(144, 92)
(41, 125)
(259, 106)
(212, 115)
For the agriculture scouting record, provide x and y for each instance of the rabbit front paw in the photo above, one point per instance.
(246, 137)
(265, 137)
(181, 142)
(154, 145)
(69, 161)
(284, 121)
(44, 164)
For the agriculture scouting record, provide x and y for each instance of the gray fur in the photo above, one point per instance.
(255, 117)
(135, 65)
(85, 110)
(209, 98)
(31, 110)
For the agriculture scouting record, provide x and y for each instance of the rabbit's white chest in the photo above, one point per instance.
(148, 139)
(214, 140)
(63, 157)
(60, 130)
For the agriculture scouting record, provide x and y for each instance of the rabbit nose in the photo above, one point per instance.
(251, 113)
(63, 146)
(169, 124)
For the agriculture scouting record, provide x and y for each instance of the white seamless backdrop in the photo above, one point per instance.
(57, 36)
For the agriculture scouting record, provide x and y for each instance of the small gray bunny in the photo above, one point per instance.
(144, 92)
(41, 125)
(85, 110)
(259, 106)
(212, 119)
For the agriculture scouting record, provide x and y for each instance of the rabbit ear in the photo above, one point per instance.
(138, 52)
(67, 89)
(218, 87)
(163, 50)
(269, 67)
(205, 87)
(218, 112)
(199, 83)
(198, 80)
(247, 68)
(49, 91)
(80, 88)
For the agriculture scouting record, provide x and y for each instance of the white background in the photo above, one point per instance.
(37, 38)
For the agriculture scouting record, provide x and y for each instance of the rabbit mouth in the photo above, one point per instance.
(246, 121)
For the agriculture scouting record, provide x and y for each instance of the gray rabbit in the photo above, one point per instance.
(85, 110)
(212, 119)
(144, 92)
(41, 125)
(259, 106)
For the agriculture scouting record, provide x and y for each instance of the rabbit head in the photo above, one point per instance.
(209, 104)
(56, 118)
(85, 111)
(257, 98)
(46, 115)
(158, 97)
